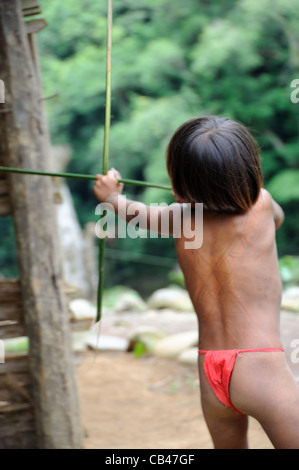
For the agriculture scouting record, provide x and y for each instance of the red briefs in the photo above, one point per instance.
(218, 366)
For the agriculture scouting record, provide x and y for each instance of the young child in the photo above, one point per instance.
(233, 280)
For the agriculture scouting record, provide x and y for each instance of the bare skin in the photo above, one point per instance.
(234, 284)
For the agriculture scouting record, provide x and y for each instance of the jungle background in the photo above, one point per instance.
(171, 61)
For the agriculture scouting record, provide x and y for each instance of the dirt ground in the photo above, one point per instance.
(144, 403)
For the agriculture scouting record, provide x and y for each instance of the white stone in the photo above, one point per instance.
(173, 345)
(130, 301)
(189, 356)
(79, 340)
(82, 309)
(171, 298)
(291, 292)
(72, 247)
(107, 342)
(148, 335)
(290, 299)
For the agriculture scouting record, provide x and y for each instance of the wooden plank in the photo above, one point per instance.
(20, 441)
(15, 364)
(3, 149)
(34, 26)
(16, 422)
(10, 329)
(18, 394)
(31, 12)
(10, 290)
(17, 419)
(2, 155)
(5, 206)
(11, 311)
(30, 4)
(4, 187)
(23, 379)
(30, 8)
(15, 408)
(80, 325)
(15, 392)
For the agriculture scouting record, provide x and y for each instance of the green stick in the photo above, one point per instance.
(106, 149)
(46, 173)
(81, 176)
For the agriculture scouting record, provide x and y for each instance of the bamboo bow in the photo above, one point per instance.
(106, 148)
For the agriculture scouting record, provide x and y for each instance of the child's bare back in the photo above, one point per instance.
(233, 279)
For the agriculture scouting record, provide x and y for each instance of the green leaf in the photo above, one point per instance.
(139, 349)
(285, 186)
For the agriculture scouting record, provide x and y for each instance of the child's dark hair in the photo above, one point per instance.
(215, 161)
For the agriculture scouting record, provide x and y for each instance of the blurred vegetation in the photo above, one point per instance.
(172, 60)
(289, 270)
(8, 256)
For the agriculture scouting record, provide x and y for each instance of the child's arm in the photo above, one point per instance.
(107, 189)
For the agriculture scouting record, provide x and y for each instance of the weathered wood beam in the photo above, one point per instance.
(5, 206)
(47, 323)
(30, 7)
(10, 290)
(34, 26)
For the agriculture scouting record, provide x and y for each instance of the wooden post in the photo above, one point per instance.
(25, 134)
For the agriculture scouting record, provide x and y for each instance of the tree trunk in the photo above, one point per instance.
(25, 135)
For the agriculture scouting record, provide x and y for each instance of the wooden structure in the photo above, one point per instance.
(38, 393)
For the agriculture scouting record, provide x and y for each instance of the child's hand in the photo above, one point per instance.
(107, 185)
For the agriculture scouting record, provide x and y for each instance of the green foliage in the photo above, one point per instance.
(139, 349)
(8, 263)
(111, 295)
(176, 276)
(289, 269)
(16, 345)
(285, 186)
(172, 60)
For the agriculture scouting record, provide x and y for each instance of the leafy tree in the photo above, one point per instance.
(172, 60)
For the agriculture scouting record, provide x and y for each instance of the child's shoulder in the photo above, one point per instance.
(265, 199)
(263, 206)
(265, 202)
(264, 194)
(271, 205)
